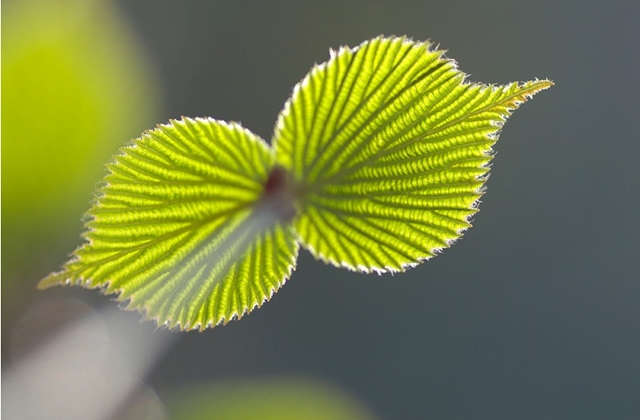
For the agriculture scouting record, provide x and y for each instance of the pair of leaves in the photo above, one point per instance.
(378, 161)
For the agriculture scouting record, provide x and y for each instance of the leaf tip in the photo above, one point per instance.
(53, 279)
(532, 87)
(59, 278)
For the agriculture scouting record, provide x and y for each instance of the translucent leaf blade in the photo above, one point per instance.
(389, 146)
(181, 228)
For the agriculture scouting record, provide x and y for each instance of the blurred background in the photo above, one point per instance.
(534, 314)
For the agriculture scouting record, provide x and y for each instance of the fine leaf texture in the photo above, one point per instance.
(378, 162)
(389, 147)
(180, 228)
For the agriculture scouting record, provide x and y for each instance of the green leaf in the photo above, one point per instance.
(378, 162)
(389, 147)
(181, 228)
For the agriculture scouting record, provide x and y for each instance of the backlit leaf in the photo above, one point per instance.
(378, 162)
(181, 228)
(390, 147)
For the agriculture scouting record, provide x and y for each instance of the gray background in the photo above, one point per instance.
(535, 314)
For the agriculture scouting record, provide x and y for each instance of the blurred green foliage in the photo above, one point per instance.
(75, 86)
(266, 399)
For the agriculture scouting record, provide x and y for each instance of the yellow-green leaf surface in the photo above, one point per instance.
(389, 146)
(181, 228)
(378, 161)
